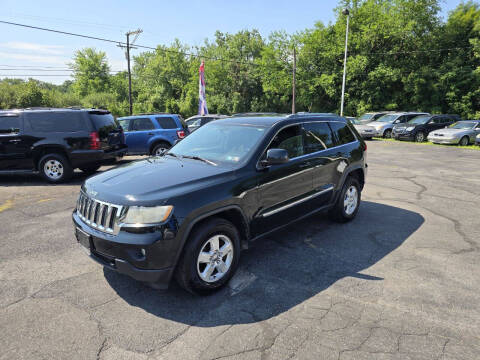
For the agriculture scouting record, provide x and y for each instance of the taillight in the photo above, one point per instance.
(364, 146)
(94, 141)
(181, 134)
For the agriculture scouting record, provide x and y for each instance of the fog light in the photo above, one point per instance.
(142, 251)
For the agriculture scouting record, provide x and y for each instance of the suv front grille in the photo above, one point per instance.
(98, 214)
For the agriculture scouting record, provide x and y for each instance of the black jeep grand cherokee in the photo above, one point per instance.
(189, 212)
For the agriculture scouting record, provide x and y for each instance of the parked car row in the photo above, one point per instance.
(418, 127)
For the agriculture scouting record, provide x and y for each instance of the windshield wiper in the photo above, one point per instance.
(171, 154)
(199, 158)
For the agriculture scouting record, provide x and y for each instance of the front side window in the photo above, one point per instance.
(166, 122)
(289, 139)
(141, 124)
(388, 118)
(318, 136)
(9, 124)
(343, 133)
(194, 122)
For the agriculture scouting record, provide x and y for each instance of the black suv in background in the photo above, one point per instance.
(418, 128)
(53, 142)
(190, 212)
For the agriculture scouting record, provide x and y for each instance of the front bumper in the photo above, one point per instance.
(147, 257)
(442, 140)
(368, 135)
(403, 135)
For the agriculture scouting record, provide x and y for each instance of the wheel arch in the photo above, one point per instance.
(155, 141)
(43, 150)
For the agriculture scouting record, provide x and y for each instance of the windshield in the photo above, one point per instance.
(355, 121)
(463, 125)
(365, 117)
(422, 119)
(220, 142)
(387, 118)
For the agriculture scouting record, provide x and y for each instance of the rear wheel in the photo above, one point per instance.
(210, 257)
(160, 148)
(348, 202)
(55, 168)
(464, 141)
(420, 136)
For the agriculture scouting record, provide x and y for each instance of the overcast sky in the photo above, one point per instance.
(31, 52)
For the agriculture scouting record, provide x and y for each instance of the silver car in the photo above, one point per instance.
(477, 142)
(384, 125)
(365, 131)
(462, 133)
(196, 121)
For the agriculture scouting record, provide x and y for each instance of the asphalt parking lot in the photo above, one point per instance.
(399, 282)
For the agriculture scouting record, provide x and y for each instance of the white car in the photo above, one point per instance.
(462, 133)
(365, 131)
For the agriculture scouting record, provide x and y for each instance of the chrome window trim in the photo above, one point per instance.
(301, 124)
(299, 201)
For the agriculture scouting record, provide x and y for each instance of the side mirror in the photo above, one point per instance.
(276, 157)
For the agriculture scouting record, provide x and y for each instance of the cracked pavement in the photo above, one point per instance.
(399, 282)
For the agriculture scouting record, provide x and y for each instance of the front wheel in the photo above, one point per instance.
(55, 168)
(348, 202)
(210, 257)
(420, 136)
(387, 134)
(464, 141)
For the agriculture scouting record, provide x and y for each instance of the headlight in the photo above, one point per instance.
(147, 215)
(410, 128)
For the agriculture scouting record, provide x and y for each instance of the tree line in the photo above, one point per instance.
(402, 56)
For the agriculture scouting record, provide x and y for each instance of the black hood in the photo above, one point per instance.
(156, 179)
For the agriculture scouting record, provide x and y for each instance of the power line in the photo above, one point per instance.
(124, 44)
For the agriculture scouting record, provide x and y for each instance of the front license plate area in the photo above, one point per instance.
(83, 238)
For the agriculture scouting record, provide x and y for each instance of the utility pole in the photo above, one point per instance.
(127, 55)
(345, 12)
(294, 81)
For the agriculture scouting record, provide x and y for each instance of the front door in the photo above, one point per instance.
(283, 190)
(13, 147)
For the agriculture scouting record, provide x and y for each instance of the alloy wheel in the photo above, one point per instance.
(215, 258)
(350, 201)
(420, 137)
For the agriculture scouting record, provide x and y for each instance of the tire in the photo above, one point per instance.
(192, 273)
(55, 168)
(157, 149)
(464, 141)
(420, 136)
(90, 169)
(343, 212)
(387, 134)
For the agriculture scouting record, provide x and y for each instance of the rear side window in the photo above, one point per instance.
(318, 136)
(102, 120)
(140, 124)
(166, 122)
(343, 134)
(56, 121)
(9, 124)
(124, 123)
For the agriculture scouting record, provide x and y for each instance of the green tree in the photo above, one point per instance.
(90, 71)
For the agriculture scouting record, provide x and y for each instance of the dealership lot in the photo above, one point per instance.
(399, 282)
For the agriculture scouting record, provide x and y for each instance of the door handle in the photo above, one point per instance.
(15, 141)
(150, 134)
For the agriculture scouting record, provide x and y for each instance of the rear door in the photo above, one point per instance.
(284, 190)
(14, 149)
(109, 131)
(140, 131)
(320, 144)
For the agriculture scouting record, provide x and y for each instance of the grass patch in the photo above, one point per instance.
(470, 147)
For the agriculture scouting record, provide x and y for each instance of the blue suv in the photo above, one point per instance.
(152, 134)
